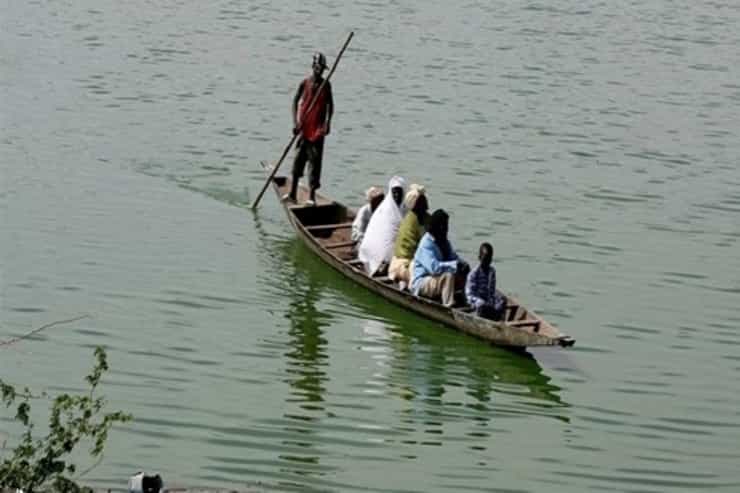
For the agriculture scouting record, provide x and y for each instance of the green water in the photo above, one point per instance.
(595, 145)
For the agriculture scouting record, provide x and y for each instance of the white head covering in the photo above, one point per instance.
(380, 235)
(415, 191)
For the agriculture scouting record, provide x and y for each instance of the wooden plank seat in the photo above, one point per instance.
(384, 279)
(320, 227)
(321, 202)
(535, 324)
(510, 311)
(339, 244)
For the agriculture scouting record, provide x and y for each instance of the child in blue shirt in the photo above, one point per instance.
(480, 288)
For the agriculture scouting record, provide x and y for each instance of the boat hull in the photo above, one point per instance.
(318, 235)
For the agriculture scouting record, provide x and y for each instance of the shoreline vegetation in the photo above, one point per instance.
(40, 463)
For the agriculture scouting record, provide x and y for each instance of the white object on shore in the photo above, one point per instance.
(143, 483)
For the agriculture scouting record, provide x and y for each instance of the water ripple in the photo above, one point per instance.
(605, 172)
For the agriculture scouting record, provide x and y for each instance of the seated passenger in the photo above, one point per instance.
(409, 235)
(374, 196)
(376, 248)
(437, 269)
(480, 288)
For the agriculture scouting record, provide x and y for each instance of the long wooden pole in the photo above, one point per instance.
(295, 135)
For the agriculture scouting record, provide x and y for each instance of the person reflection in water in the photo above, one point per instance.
(308, 346)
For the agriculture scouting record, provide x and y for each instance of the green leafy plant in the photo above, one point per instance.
(39, 463)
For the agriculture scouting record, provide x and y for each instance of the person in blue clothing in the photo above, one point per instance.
(436, 268)
(480, 289)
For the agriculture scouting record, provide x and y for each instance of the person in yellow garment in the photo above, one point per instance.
(409, 234)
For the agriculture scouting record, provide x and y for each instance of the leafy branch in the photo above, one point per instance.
(38, 463)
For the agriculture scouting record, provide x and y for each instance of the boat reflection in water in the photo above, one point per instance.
(370, 378)
(491, 369)
(307, 355)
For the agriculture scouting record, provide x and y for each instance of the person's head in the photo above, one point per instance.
(439, 225)
(485, 254)
(416, 200)
(421, 207)
(397, 194)
(396, 188)
(376, 200)
(319, 64)
(374, 196)
(372, 192)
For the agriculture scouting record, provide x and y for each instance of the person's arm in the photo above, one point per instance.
(329, 108)
(492, 286)
(357, 229)
(429, 261)
(359, 224)
(296, 99)
(462, 265)
(453, 253)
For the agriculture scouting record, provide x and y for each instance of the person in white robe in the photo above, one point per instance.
(377, 244)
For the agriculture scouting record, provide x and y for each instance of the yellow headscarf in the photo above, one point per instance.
(415, 191)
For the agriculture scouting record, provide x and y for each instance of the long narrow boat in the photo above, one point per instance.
(326, 227)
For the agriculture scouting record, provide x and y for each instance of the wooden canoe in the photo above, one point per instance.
(326, 227)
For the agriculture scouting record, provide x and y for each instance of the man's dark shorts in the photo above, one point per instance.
(313, 153)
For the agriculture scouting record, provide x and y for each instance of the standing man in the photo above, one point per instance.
(313, 124)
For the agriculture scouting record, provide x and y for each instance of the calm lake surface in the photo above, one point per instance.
(596, 144)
